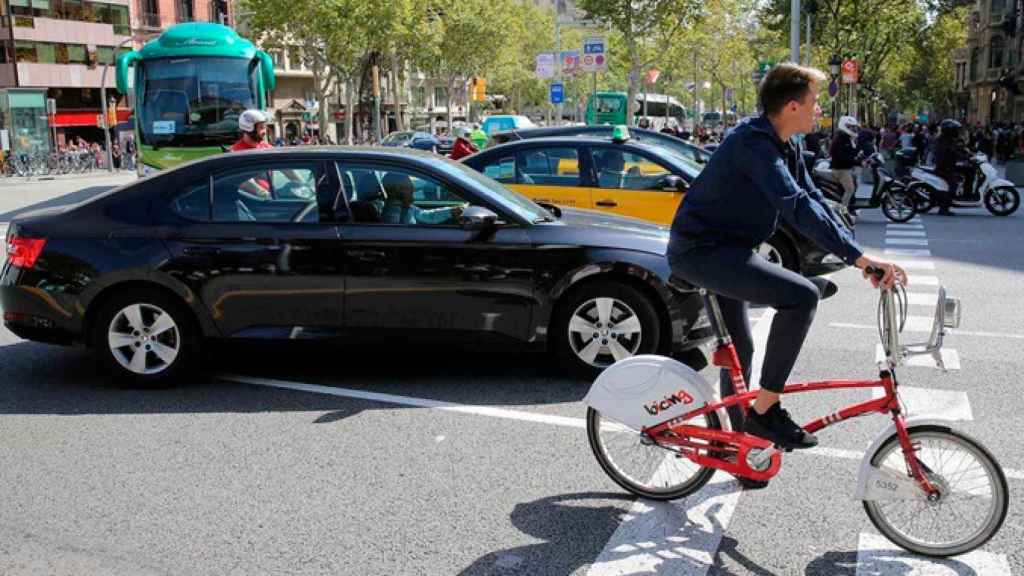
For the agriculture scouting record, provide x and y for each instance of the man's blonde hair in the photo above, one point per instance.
(786, 82)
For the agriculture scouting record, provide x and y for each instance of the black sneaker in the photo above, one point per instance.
(776, 425)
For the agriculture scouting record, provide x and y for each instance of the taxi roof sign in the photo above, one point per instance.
(620, 133)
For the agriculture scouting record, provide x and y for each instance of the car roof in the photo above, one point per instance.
(422, 157)
(572, 140)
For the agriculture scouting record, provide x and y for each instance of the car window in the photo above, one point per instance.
(503, 170)
(194, 203)
(555, 166)
(625, 170)
(385, 195)
(271, 194)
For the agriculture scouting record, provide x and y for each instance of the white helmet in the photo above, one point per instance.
(248, 120)
(849, 125)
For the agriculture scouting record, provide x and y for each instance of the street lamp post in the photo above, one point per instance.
(103, 93)
(834, 64)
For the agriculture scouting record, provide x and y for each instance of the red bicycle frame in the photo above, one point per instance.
(717, 446)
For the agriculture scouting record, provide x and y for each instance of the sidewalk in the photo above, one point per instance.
(88, 177)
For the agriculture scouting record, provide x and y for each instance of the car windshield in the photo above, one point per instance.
(195, 100)
(509, 199)
(397, 137)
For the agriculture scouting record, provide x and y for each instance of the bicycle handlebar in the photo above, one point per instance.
(876, 272)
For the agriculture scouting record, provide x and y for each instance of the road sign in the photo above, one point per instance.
(570, 62)
(764, 66)
(850, 71)
(594, 55)
(833, 89)
(557, 93)
(545, 65)
(651, 76)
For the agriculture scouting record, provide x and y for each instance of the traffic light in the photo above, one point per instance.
(479, 89)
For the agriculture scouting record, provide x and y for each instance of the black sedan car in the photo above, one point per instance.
(576, 171)
(338, 242)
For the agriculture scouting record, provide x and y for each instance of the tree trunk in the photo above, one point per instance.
(350, 104)
(634, 60)
(448, 95)
(396, 91)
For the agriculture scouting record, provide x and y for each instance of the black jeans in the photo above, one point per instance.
(738, 276)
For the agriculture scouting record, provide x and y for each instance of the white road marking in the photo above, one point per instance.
(919, 233)
(877, 556)
(906, 242)
(678, 537)
(907, 252)
(490, 412)
(922, 324)
(923, 298)
(915, 264)
(933, 403)
(410, 401)
(911, 225)
(949, 357)
(916, 280)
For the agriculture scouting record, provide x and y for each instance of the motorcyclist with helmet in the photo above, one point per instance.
(844, 157)
(253, 124)
(950, 157)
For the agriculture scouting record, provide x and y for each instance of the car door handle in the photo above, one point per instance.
(367, 255)
(202, 250)
(607, 203)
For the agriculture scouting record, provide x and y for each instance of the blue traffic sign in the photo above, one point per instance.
(557, 93)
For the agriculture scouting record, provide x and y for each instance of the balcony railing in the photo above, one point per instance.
(150, 20)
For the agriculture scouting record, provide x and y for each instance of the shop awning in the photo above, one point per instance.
(83, 118)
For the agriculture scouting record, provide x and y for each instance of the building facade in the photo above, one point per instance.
(61, 48)
(989, 70)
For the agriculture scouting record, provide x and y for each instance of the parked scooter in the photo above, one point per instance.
(897, 203)
(998, 195)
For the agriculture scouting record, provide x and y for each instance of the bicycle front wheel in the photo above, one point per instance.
(642, 467)
(973, 495)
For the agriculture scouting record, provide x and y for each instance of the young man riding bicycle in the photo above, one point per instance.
(756, 176)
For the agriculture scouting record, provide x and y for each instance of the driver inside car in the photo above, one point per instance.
(399, 207)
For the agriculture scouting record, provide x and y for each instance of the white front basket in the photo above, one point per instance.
(646, 390)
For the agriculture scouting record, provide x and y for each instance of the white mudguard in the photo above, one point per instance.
(997, 183)
(875, 484)
(646, 390)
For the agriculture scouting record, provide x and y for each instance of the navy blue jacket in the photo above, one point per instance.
(751, 180)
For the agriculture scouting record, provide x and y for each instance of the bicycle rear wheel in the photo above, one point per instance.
(642, 467)
(973, 494)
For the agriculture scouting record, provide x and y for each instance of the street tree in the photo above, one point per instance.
(645, 30)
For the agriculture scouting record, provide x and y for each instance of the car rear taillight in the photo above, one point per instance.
(23, 252)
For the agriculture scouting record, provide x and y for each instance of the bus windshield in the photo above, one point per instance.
(194, 101)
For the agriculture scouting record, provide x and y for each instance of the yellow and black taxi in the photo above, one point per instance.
(625, 177)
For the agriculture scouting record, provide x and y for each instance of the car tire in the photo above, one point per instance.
(778, 250)
(159, 342)
(584, 345)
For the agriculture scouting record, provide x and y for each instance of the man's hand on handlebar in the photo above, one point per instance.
(882, 274)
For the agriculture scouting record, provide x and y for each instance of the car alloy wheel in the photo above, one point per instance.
(770, 253)
(144, 339)
(603, 331)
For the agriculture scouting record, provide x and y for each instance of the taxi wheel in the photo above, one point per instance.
(600, 323)
(778, 251)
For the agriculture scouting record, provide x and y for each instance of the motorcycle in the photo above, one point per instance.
(896, 201)
(999, 196)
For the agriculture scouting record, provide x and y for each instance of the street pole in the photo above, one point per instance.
(558, 56)
(103, 98)
(807, 56)
(696, 89)
(794, 31)
(376, 104)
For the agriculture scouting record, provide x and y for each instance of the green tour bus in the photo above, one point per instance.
(190, 85)
(659, 109)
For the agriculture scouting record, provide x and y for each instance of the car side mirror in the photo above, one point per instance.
(476, 218)
(673, 183)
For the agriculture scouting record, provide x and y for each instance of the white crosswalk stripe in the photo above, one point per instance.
(950, 358)
(933, 403)
(907, 252)
(907, 233)
(906, 226)
(922, 298)
(906, 242)
(916, 280)
(915, 264)
(877, 556)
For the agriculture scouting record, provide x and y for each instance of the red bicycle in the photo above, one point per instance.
(655, 426)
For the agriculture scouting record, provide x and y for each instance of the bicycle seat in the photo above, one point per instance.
(681, 285)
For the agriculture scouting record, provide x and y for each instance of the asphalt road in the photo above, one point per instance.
(380, 459)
